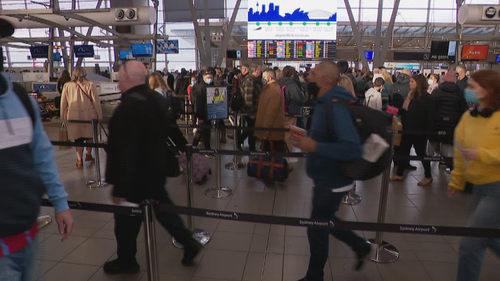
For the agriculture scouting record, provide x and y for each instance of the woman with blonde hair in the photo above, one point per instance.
(80, 101)
(347, 83)
(387, 87)
(157, 83)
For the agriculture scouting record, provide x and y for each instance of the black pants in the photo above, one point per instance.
(127, 229)
(205, 133)
(279, 146)
(251, 138)
(419, 143)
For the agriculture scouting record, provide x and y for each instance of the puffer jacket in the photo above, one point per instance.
(294, 96)
(449, 106)
(399, 90)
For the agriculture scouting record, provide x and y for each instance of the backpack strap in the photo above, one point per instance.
(25, 99)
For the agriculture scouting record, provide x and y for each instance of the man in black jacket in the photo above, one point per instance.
(199, 98)
(136, 166)
(294, 99)
(449, 106)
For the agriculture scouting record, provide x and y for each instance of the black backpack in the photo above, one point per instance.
(25, 99)
(174, 107)
(368, 121)
(237, 100)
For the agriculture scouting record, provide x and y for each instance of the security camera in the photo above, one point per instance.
(66, 18)
(20, 20)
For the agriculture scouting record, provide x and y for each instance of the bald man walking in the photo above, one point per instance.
(325, 154)
(136, 167)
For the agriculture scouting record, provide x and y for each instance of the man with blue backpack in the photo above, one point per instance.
(328, 149)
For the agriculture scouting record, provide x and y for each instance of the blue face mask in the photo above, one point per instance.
(208, 81)
(471, 96)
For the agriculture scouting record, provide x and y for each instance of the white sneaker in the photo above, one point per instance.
(292, 160)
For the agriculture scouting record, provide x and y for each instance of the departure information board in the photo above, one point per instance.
(291, 49)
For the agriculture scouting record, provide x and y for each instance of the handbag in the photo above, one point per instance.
(63, 136)
(268, 167)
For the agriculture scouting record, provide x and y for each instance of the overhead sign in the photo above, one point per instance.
(167, 46)
(292, 20)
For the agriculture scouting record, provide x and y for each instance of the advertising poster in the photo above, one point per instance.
(217, 106)
(167, 46)
(475, 52)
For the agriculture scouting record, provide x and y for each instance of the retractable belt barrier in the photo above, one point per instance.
(290, 221)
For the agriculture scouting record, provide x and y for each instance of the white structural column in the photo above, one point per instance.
(199, 39)
(227, 34)
(378, 36)
(388, 33)
(208, 41)
(355, 32)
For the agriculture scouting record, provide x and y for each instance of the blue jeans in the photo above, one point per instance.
(325, 204)
(485, 214)
(19, 265)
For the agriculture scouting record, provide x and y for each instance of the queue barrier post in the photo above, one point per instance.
(148, 216)
(219, 191)
(235, 165)
(385, 252)
(98, 181)
(202, 236)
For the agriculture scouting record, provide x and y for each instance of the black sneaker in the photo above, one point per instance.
(361, 256)
(115, 267)
(410, 167)
(190, 252)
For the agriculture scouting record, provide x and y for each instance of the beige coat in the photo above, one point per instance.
(271, 112)
(75, 105)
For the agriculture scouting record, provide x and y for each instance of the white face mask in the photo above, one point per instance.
(431, 82)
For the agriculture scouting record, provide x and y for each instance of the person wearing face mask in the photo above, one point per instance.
(373, 97)
(433, 83)
(270, 113)
(199, 98)
(324, 156)
(169, 78)
(477, 160)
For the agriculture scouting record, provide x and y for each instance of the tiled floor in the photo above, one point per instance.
(251, 252)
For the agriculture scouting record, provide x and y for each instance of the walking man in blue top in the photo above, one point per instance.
(27, 172)
(323, 166)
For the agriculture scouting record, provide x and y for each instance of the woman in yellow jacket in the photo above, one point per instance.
(477, 160)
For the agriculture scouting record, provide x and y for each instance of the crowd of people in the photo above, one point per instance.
(274, 98)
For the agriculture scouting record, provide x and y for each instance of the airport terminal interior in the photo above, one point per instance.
(425, 37)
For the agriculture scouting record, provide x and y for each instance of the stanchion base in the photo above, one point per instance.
(235, 166)
(43, 221)
(385, 253)
(351, 199)
(96, 183)
(218, 193)
(202, 236)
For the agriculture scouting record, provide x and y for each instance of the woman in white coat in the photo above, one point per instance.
(80, 101)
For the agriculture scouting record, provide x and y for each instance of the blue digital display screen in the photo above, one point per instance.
(56, 57)
(39, 52)
(498, 58)
(142, 50)
(84, 51)
(369, 55)
(124, 54)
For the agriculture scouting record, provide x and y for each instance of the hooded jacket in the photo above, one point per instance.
(323, 165)
(449, 106)
(294, 96)
(399, 90)
(27, 167)
(373, 99)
